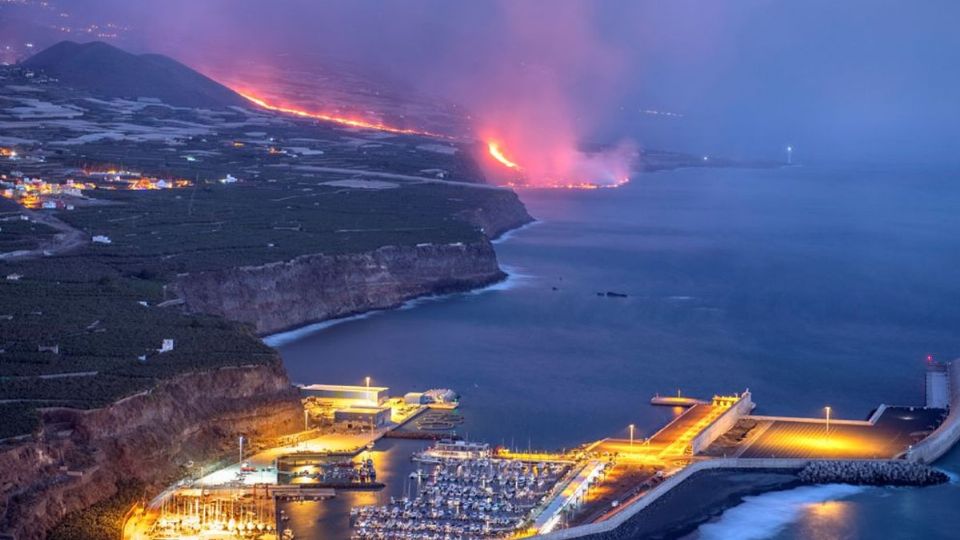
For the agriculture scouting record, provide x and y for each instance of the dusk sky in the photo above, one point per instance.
(670, 256)
(840, 81)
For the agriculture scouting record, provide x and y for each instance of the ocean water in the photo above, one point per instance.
(808, 286)
(838, 511)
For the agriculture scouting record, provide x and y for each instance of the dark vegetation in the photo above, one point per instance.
(18, 419)
(102, 520)
(212, 227)
(73, 329)
(78, 336)
(17, 234)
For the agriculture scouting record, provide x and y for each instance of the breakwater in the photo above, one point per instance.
(871, 473)
(945, 437)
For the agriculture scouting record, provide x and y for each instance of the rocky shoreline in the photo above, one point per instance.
(284, 295)
(702, 497)
(707, 494)
(281, 296)
(83, 456)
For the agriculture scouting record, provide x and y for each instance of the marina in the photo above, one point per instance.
(471, 489)
(464, 492)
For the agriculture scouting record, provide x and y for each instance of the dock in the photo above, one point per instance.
(893, 445)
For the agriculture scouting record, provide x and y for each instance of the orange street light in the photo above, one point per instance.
(631, 434)
(827, 409)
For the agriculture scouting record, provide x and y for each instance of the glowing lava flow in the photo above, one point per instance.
(493, 148)
(497, 154)
(352, 122)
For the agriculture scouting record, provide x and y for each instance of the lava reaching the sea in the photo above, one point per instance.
(497, 154)
(600, 170)
(608, 169)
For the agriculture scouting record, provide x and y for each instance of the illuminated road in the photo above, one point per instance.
(670, 442)
(637, 464)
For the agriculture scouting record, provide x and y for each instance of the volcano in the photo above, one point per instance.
(107, 71)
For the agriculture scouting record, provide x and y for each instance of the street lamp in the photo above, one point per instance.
(631, 434)
(368, 382)
(827, 410)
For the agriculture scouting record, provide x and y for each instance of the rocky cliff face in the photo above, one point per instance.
(150, 437)
(83, 455)
(498, 215)
(311, 288)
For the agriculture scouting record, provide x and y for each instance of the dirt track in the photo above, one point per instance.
(66, 240)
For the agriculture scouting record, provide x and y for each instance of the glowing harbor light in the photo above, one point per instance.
(827, 410)
(631, 434)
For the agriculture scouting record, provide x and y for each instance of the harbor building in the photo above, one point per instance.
(363, 416)
(345, 396)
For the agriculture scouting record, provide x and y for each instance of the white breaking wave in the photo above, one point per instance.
(954, 477)
(514, 279)
(282, 338)
(763, 516)
(510, 234)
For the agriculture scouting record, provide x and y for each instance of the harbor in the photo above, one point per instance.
(334, 455)
(463, 491)
(451, 487)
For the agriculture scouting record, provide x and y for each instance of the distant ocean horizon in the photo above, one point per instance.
(809, 286)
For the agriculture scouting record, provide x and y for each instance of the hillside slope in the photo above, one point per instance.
(107, 71)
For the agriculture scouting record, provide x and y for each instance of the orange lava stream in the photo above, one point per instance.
(342, 120)
(567, 185)
(494, 149)
(497, 153)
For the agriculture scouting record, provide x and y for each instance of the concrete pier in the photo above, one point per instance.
(876, 451)
(946, 436)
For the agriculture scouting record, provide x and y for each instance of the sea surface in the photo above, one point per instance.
(808, 286)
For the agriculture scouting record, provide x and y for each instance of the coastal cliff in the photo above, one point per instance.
(83, 456)
(283, 295)
(497, 215)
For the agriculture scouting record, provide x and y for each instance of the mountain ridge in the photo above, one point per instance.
(111, 72)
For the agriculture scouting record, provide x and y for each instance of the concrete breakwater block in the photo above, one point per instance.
(872, 473)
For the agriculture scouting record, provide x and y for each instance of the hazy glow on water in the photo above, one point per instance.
(763, 516)
(808, 287)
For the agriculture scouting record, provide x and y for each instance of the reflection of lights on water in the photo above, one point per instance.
(828, 509)
(824, 519)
